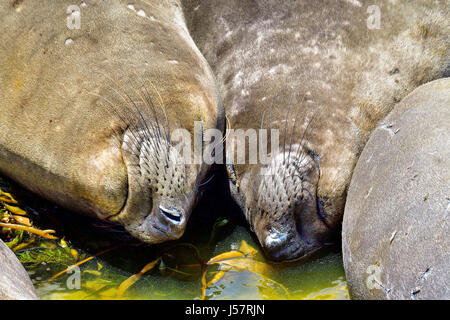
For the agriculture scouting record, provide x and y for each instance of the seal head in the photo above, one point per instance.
(282, 207)
(156, 172)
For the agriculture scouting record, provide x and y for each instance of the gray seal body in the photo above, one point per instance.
(324, 73)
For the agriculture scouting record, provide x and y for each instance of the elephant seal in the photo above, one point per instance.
(15, 284)
(396, 222)
(86, 113)
(323, 73)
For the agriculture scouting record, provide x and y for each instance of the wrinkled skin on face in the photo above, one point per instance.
(157, 173)
(282, 206)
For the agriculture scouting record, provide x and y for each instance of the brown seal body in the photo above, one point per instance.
(324, 74)
(86, 113)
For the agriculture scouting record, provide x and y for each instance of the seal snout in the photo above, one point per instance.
(275, 239)
(171, 219)
(280, 246)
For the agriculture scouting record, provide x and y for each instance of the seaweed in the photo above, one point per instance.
(14, 221)
(36, 256)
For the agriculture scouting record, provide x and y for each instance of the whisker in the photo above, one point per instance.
(206, 182)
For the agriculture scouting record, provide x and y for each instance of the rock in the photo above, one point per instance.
(396, 226)
(15, 284)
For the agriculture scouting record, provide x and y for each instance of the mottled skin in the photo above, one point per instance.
(316, 64)
(15, 284)
(77, 126)
(396, 226)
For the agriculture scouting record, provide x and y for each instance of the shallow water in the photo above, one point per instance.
(178, 272)
(320, 277)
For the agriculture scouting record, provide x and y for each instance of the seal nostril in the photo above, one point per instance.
(173, 215)
(275, 240)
